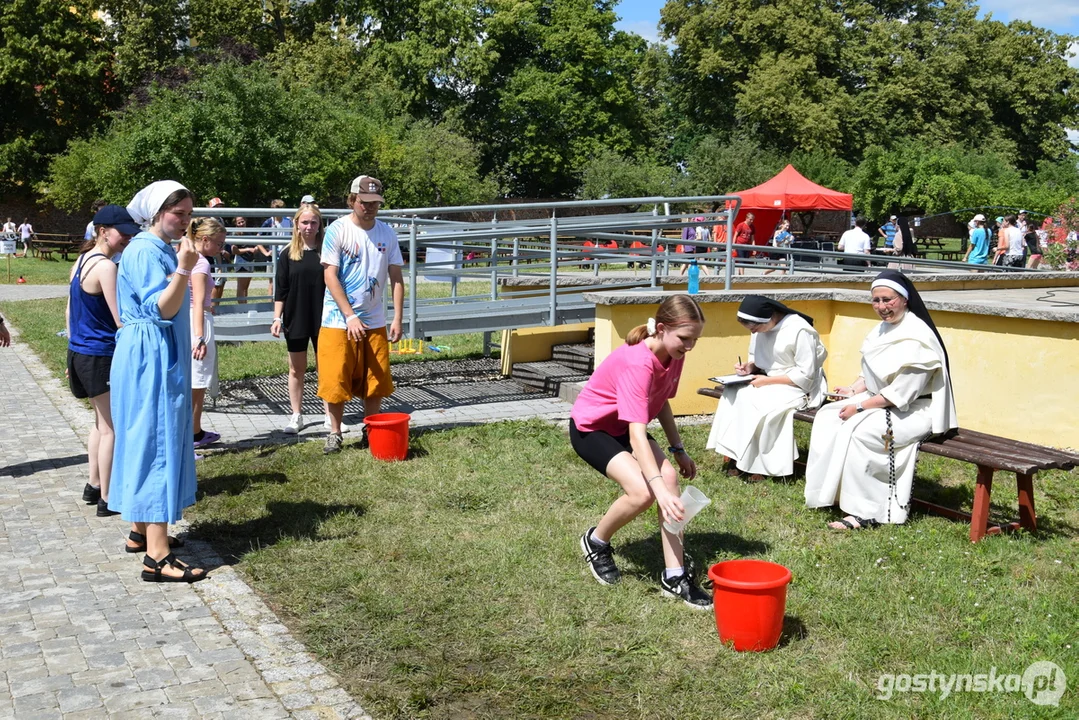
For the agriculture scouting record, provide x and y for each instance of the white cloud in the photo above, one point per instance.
(1073, 135)
(646, 29)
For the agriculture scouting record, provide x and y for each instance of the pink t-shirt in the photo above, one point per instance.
(631, 385)
(202, 267)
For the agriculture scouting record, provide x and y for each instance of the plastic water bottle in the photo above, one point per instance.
(694, 277)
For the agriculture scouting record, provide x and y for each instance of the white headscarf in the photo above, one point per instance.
(148, 201)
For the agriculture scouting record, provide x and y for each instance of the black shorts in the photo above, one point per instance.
(599, 448)
(88, 375)
(299, 344)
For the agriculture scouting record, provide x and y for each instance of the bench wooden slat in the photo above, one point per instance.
(989, 453)
(981, 443)
(981, 458)
(1066, 455)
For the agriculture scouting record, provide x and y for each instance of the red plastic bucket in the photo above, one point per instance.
(750, 599)
(387, 434)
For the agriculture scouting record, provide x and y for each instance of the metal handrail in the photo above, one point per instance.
(505, 244)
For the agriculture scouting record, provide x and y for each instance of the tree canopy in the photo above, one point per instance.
(906, 103)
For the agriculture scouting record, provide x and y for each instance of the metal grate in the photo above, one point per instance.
(429, 385)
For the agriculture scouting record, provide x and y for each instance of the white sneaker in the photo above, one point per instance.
(295, 424)
(344, 428)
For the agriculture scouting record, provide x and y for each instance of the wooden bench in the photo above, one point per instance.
(989, 454)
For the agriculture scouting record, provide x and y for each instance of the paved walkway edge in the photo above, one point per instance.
(302, 685)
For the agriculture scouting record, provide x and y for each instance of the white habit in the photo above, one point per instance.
(848, 462)
(755, 426)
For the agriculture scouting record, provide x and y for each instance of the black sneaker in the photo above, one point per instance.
(600, 559)
(684, 587)
(91, 494)
(103, 509)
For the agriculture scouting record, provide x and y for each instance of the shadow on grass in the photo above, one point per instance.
(281, 521)
(237, 484)
(961, 497)
(32, 466)
(647, 553)
(794, 630)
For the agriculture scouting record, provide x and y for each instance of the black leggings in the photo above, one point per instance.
(598, 448)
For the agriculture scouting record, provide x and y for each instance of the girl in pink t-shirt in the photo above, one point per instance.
(208, 236)
(607, 427)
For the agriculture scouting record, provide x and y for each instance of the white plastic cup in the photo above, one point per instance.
(252, 313)
(693, 500)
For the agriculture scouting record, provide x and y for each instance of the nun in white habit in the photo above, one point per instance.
(754, 424)
(862, 451)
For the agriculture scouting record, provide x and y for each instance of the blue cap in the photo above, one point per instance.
(117, 217)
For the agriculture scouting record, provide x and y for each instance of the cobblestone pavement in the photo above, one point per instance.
(81, 636)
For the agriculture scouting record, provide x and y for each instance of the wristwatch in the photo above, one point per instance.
(859, 407)
(201, 341)
(674, 450)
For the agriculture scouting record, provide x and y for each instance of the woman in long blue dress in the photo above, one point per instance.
(153, 476)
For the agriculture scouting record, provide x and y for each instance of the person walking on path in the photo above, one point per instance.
(93, 316)
(208, 236)
(5, 334)
(745, 234)
(359, 253)
(298, 297)
(153, 477)
(608, 430)
(26, 232)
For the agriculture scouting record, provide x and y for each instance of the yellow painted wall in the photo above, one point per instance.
(1012, 376)
(535, 344)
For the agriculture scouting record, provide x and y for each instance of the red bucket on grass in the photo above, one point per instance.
(387, 434)
(750, 599)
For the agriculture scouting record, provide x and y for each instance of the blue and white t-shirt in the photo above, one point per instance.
(362, 258)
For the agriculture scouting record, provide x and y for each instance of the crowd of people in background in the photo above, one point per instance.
(141, 347)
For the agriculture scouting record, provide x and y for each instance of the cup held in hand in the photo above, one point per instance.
(693, 500)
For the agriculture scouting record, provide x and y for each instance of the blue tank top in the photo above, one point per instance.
(93, 331)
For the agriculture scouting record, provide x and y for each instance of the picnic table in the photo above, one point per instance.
(48, 244)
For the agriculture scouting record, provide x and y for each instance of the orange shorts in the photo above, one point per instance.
(350, 368)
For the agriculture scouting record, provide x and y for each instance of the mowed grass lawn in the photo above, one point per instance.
(451, 585)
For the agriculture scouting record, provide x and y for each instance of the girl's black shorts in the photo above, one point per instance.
(299, 344)
(598, 448)
(88, 375)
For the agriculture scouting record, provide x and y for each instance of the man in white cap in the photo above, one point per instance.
(978, 252)
(307, 200)
(359, 254)
(1022, 222)
(887, 231)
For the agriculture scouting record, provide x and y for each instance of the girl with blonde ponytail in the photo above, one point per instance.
(608, 424)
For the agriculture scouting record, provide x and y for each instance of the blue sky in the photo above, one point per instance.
(1062, 16)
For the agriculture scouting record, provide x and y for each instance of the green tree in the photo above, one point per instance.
(213, 21)
(846, 76)
(561, 89)
(610, 174)
(147, 37)
(238, 132)
(53, 79)
(718, 167)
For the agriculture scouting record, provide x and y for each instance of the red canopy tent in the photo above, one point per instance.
(789, 191)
